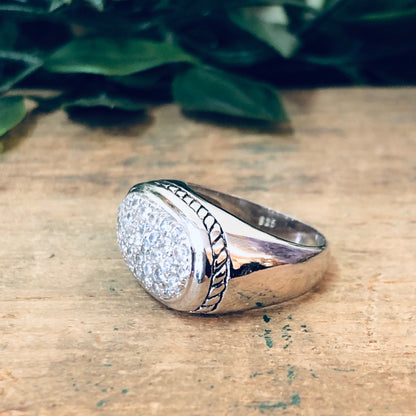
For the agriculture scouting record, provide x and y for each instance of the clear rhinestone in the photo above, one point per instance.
(154, 245)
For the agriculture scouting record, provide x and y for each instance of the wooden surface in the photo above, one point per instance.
(78, 336)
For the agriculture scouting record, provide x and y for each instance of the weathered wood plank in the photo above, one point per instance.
(77, 334)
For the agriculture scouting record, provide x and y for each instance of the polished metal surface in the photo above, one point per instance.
(244, 255)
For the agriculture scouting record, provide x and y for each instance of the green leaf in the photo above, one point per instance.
(269, 24)
(96, 98)
(32, 64)
(390, 16)
(118, 56)
(104, 100)
(97, 4)
(56, 4)
(316, 4)
(12, 112)
(17, 8)
(377, 9)
(206, 89)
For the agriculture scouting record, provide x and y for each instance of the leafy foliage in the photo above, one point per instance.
(204, 89)
(117, 56)
(225, 57)
(12, 111)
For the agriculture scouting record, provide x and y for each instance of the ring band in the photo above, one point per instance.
(202, 251)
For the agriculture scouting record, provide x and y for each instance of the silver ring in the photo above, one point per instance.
(202, 251)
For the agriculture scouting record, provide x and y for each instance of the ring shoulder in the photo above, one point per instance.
(219, 254)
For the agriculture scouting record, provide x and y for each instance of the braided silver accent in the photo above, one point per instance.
(220, 268)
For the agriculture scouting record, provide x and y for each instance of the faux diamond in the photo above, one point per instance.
(155, 246)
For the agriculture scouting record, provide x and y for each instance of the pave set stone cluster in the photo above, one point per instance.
(155, 246)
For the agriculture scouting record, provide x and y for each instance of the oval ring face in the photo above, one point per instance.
(155, 246)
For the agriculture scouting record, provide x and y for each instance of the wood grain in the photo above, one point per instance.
(78, 336)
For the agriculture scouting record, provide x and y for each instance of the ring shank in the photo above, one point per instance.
(264, 219)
